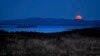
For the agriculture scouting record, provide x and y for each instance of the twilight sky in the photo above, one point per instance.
(68, 9)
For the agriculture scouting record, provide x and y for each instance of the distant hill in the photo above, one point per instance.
(52, 21)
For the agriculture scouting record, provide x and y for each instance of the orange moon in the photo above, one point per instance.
(79, 17)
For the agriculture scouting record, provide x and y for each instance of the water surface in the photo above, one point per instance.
(44, 28)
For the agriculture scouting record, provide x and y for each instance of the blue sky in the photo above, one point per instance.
(68, 9)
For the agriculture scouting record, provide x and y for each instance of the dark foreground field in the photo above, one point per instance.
(84, 42)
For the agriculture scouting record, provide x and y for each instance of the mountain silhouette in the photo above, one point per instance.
(51, 21)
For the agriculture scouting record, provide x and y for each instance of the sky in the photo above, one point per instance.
(67, 9)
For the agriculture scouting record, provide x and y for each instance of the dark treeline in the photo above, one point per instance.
(89, 32)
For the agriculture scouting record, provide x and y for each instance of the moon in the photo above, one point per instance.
(79, 17)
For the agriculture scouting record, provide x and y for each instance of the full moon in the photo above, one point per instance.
(79, 17)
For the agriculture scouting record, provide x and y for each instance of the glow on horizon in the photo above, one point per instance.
(79, 17)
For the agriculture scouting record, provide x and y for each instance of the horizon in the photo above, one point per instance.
(49, 18)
